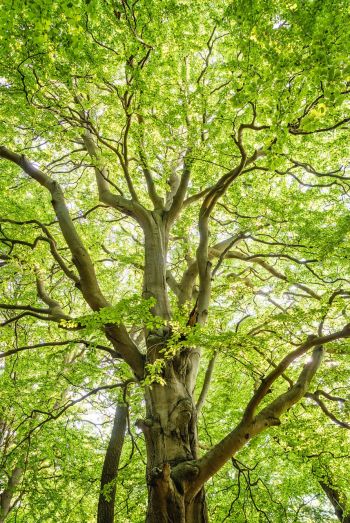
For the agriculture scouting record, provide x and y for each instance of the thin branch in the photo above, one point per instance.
(206, 384)
(296, 130)
(57, 344)
(315, 397)
(55, 415)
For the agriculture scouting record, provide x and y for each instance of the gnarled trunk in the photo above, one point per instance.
(171, 440)
(170, 427)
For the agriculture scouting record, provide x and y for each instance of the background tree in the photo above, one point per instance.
(175, 205)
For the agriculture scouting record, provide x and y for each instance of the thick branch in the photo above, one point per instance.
(129, 207)
(154, 196)
(180, 194)
(7, 494)
(215, 458)
(88, 282)
(204, 266)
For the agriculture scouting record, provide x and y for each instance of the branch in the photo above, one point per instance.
(216, 457)
(81, 257)
(296, 130)
(33, 315)
(315, 397)
(206, 384)
(220, 250)
(55, 309)
(11, 307)
(57, 344)
(155, 198)
(312, 341)
(7, 494)
(109, 474)
(129, 207)
(180, 194)
(204, 266)
(195, 197)
(68, 405)
(256, 259)
(52, 243)
(172, 283)
(336, 499)
(191, 273)
(88, 281)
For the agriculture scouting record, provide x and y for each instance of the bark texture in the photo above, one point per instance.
(6, 496)
(171, 441)
(335, 498)
(106, 502)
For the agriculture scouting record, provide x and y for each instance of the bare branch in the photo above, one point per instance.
(206, 384)
(315, 397)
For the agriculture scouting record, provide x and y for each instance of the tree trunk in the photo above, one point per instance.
(335, 498)
(106, 502)
(170, 427)
(154, 283)
(7, 495)
(171, 440)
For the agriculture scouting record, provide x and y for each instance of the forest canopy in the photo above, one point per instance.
(174, 261)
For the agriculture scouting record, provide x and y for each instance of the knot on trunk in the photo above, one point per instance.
(180, 416)
(185, 471)
(144, 424)
(159, 476)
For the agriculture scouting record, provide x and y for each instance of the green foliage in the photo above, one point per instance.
(180, 76)
(128, 311)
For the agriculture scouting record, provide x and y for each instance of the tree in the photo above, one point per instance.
(175, 195)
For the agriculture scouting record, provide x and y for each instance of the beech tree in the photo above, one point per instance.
(174, 235)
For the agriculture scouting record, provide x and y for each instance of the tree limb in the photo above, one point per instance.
(216, 457)
(206, 384)
(88, 281)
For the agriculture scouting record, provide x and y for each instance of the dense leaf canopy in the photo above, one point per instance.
(232, 119)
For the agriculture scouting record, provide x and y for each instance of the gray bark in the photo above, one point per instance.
(106, 503)
(6, 496)
(171, 441)
(335, 498)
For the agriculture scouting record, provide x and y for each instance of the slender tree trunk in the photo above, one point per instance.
(106, 502)
(7, 495)
(334, 497)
